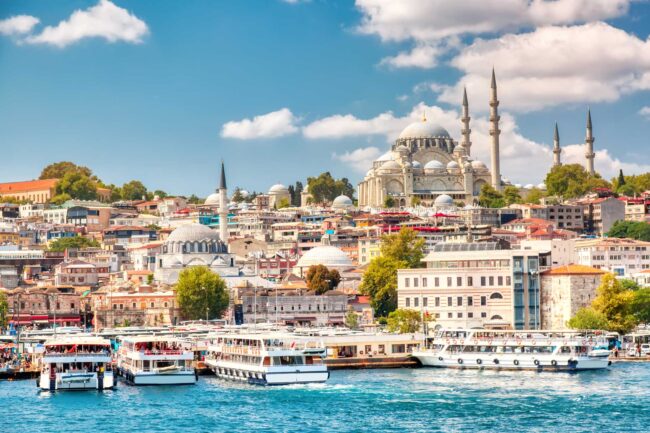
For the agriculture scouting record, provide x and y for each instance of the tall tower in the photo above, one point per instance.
(589, 141)
(494, 133)
(223, 206)
(557, 150)
(466, 143)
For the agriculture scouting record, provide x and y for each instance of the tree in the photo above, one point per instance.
(641, 305)
(572, 180)
(416, 201)
(283, 203)
(325, 188)
(133, 190)
(193, 199)
(237, 196)
(534, 196)
(58, 170)
(160, 193)
(380, 283)
(4, 310)
(292, 194)
(351, 319)
(200, 293)
(405, 246)
(588, 318)
(389, 202)
(614, 302)
(320, 279)
(639, 230)
(511, 195)
(62, 244)
(77, 185)
(621, 179)
(404, 321)
(59, 199)
(490, 197)
(298, 189)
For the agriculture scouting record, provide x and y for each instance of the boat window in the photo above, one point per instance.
(565, 349)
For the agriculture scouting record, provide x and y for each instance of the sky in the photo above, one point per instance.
(161, 91)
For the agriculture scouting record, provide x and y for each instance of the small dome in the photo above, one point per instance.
(278, 188)
(391, 165)
(402, 149)
(342, 202)
(517, 185)
(478, 165)
(244, 193)
(452, 165)
(193, 232)
(327, 255)
(424, 129)
(388, 156)
(542, 186)
(443, 200)
(212, 199)
(416, 164)
(529, 186)
(433, 165)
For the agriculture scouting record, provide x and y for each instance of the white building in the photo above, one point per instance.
(623, 257)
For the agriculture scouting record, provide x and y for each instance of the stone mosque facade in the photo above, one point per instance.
(427, 163)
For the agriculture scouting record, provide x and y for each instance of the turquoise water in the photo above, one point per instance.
(419, 400)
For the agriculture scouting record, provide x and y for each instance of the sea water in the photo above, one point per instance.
(401, 400)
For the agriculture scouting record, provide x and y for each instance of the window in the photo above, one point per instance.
(437, 301)
(133, 306)
(416, 302)
(483, 300)
(416, 282)
(470, 281)
(482, 281)
(449, 303)
(508, 282)
(407, 282)
(424, 281)
(496, 295)
(151, 305)
(436, 281)
(449, 281)
(459, 281)
(470, 301)
(484, 315)
(491, 281)
(470, 315)
(450, 315)
(407, 302)
(459, 315)
(425, 302)
(459, 300)
(500, 281)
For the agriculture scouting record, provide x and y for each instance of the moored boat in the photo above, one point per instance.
(155, 360)
(267, 358)
(76, 363)
(514, 350)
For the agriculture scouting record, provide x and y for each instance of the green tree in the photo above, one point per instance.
(298, 189)
(588, 318)
(193, 199)
(200, 293)
(534, 196)
(77, 185)
(380, 283)
(351, 319)
(614, 302)
(404, 321)
(416, 201)
(283, 203)
(320, 279)
(641, 305)
(58, 170)
(62, 244)
(237, 196)
(405, 246)
(133, 190)
(639, 230)
(490, 197)
(325, 188)
(621, 179)
(4, 310)
(160, 193)
(389, 202)
(572, 180)
(511, 195)
(59, 199)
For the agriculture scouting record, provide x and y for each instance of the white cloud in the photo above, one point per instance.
(18, 25)
(645, 112)
(427, 22)
(359, 159)
(104, 20)
(554, 65)
(270, 125)
(604, 163)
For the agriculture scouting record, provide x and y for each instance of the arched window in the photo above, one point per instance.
(496, 317)
(496, 295)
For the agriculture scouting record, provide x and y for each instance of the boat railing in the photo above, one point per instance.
(78, 353)
(164, 352)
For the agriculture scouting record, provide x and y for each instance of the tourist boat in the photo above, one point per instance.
(267, 358)
(155, 360)
(79, 362)
(514, 350)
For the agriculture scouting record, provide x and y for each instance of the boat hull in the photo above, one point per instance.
(76, 382)
(252, 376)
(473, 361)
(145, 378)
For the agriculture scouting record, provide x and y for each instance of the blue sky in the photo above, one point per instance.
(162, 91)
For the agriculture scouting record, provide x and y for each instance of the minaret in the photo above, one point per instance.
(466, 144)
(556, 147)
(494, 133)
(223, 206)
(589, 141)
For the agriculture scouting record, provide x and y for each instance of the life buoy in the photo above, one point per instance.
(536, 362)
(496, 361)
(554, 363)
(460, 361)
(516, 362)
(479, 362)
(440, 358)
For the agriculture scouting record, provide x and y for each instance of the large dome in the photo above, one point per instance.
(278, 188)
(342, 202)
(193, 233)
(443, 200)
(433, 165)
(391, 165)
(424, 129)
(212, 199)
(326, 255)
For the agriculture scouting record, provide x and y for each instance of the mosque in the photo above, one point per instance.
(427, 164)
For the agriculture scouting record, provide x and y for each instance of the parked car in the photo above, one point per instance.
(645, 350)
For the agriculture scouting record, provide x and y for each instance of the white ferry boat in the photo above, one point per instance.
(155, 360)
(76, 362)
(267, 358)
(515, 350)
